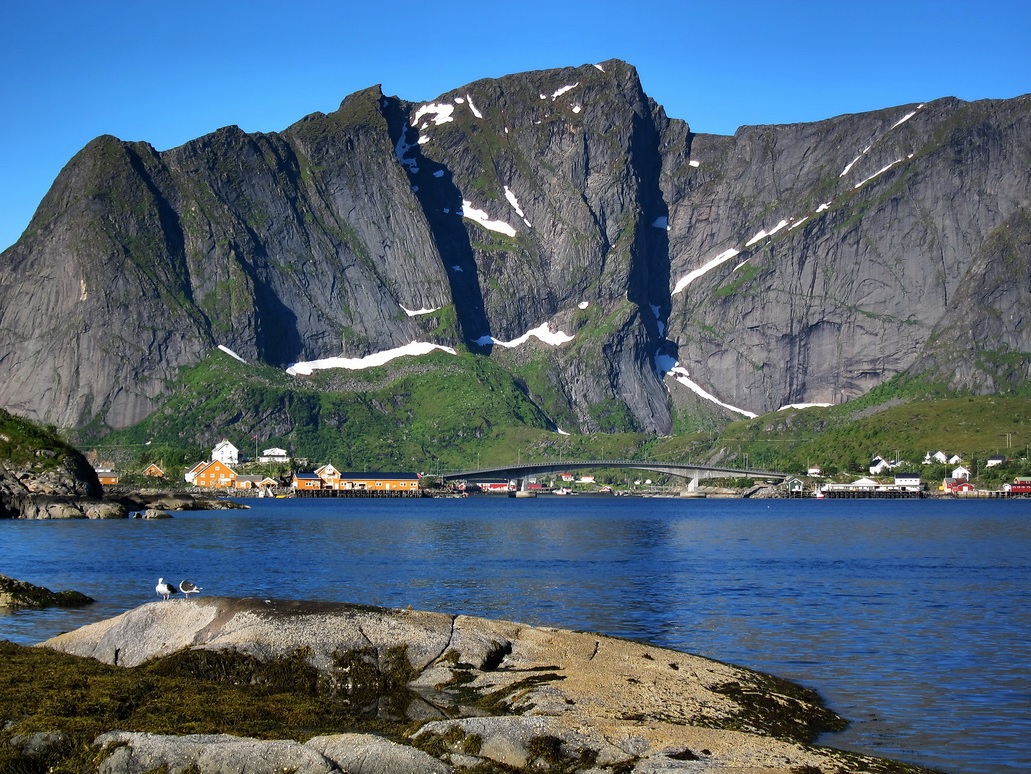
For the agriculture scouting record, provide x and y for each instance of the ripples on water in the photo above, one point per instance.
(910, 617)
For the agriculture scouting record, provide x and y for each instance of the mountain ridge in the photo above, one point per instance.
(689, 274)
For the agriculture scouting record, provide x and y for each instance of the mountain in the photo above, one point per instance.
(555, 222)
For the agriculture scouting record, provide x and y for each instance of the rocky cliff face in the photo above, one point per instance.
(685, 273)
(883, 228)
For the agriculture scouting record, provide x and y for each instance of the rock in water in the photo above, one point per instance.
(19, 594)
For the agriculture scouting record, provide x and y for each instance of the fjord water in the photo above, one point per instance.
(911, 618)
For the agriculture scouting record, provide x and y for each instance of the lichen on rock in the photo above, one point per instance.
(454, 692)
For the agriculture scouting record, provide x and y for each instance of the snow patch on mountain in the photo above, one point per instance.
(416, 312)
(369, 361)
(511, 197)
(481, 217)
(439, 114)
(691, 276)
(231, 353)
(542, 332)
(401, 148)
(666, 365)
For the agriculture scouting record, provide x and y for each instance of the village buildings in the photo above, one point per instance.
(218, 472)
(905, 485)
(328, 481)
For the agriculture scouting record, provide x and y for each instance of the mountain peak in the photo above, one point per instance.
(554, 221)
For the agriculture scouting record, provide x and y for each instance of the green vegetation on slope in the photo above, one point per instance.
(25, 443)
(436, 412)
(903, 419)
(443, 412)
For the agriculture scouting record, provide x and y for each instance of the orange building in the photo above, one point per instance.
(379, 482)
(215, 475)
(330, 476)
(306, 482)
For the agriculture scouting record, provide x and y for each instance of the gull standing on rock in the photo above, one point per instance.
(189, 587)
(165, 589)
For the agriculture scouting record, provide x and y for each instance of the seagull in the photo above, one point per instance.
(165, 589)
(189, 587)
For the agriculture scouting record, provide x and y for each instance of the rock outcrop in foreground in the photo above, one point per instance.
(494, 695)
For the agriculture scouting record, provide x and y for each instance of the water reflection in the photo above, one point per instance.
(910, 617)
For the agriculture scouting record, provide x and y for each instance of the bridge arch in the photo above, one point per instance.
(692, 471)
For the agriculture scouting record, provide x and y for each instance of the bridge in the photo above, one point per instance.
(692, 471)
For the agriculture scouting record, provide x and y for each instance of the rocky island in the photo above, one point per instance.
(44, 477)
(332, 687)
(16, 594)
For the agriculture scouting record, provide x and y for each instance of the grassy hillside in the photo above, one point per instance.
(23, 443)
(438, 412)
(445, 412)
(903, 419)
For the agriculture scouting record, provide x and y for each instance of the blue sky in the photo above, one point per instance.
(167, 72)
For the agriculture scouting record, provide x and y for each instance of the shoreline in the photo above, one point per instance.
(533, 696)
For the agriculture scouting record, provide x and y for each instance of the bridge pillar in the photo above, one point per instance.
(522, 488)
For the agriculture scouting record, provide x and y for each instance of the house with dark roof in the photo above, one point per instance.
(306, 482)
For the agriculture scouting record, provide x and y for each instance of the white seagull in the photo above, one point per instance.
(165, 589)
(189, 587)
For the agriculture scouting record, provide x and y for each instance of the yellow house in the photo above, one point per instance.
(306, 482)
(256, 483)
(191, 474)
(216, 475)
(153, 471)
(330, 476)
(379, 482)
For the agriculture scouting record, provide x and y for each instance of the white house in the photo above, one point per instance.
(998, 459)
(961, 472)
(955, 459)
(191, 474)
(909, 481)
(225, 453)
(878, 465)
(859, 485)
(939, 456)
(814, 471)
(274, 455)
